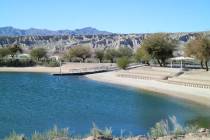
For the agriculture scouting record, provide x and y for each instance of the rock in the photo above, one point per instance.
(62, 138)
(103, 138)
(89, 138)
(98, 138)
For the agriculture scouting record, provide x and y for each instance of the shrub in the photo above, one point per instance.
(52, 64)
(56, 133)
(177, 128)
(17, 63)
(160, 129)
(96, 132)
(123, 62)
(191, 129)
(38, 136)
(15, 136)
(51, 134)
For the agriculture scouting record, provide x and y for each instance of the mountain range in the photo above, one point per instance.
(11, 31)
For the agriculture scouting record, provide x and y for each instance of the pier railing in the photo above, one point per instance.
(94, 69)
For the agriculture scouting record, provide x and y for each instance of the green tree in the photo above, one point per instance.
(142, 56)
(159, 47)
(99, 54)
(82, 52)
(200, 49)
(125, 51)
(38, 53)
(123, 62)
(4, 52)
(14, 49)
(111, 54)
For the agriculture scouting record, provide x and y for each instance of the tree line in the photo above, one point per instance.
(9, 57)
(158, 47)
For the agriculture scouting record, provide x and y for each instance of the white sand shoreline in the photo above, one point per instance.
(64, 69)
(193, 94)
(197, 95)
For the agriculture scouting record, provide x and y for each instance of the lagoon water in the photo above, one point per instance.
(32, 101)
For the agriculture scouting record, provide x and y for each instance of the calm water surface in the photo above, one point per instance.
(30, 101)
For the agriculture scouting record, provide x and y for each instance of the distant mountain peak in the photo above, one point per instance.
(11, 31)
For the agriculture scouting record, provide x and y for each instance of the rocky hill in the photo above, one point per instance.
(60, 41)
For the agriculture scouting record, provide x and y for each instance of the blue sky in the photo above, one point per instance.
(121, 16)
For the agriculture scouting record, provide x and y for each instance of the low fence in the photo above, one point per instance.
(187, 84)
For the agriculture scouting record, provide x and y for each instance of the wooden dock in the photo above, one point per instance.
(85, 71)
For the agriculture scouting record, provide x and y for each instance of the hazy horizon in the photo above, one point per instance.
(106, 30)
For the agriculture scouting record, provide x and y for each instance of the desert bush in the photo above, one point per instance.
(123, 62)
(177, 129)
(17, 63)
(56, 133)
(38, 136)
(52, 64)
(15, 136)
(163, 128)
(96, 132)
(51, 134)
(160, 129)
(191, 129)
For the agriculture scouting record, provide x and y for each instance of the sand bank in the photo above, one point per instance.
(65, 68)
(198, 95)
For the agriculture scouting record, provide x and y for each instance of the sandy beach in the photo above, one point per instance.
(65, 68)
(197, 95)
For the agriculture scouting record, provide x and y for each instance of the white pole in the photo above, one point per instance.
(60, 67)
(181, 64)
(171, 63)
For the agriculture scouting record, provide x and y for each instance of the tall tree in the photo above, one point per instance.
(14, 49)
(111, 54)
(82, 52)
(125, 52)
(4, 52)
(200, 49)
(142, 56)
(99, 54)
(160, 47)
(38, 53)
